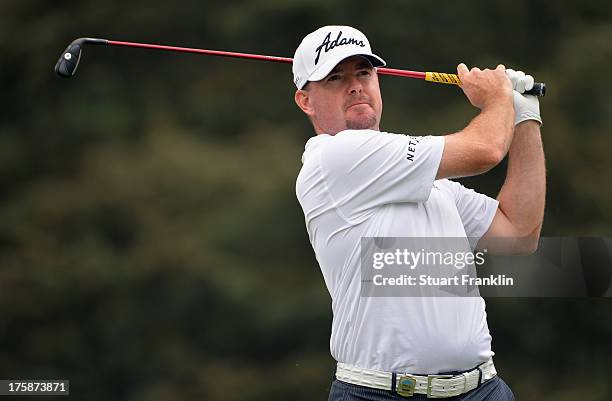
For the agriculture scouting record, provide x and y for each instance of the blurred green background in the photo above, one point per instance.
(151, 246)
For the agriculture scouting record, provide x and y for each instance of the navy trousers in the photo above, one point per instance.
(494, 389)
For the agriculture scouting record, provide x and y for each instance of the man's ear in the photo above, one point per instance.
(302, 99)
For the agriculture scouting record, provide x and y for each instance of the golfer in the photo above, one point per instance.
(357, 181)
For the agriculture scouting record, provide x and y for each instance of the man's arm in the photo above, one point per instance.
(485, 141)
(521, 200)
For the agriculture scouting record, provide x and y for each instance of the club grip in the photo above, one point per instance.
(539, 89)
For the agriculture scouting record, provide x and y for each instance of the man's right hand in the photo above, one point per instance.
(486, 88)
(485, 141)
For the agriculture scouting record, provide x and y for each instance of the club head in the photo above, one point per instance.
(69, 60)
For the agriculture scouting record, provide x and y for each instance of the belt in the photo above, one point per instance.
(434, 386)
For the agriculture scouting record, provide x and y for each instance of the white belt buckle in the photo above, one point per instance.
(430, 379)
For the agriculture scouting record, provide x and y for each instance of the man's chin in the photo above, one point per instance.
(362, 122)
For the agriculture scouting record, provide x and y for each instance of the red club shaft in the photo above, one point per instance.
(383, 71)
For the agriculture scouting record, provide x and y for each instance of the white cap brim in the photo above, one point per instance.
(324, 69)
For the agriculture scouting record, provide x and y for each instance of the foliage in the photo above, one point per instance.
(151, 246)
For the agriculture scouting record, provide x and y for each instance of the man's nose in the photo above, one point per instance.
(355, 86)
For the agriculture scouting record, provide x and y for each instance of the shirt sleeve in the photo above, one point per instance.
(364, 169)
(475, 209)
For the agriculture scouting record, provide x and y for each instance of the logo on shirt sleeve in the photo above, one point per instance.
(412, 143)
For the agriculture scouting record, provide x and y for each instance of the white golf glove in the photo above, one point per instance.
(526, 107)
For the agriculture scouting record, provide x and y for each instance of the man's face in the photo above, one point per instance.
(347, 98)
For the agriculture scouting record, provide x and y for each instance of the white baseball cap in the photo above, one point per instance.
(321, 50)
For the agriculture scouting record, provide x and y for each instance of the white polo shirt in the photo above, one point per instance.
(364, 183)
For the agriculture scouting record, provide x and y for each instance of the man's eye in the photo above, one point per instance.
(364, 72)
(333, 78)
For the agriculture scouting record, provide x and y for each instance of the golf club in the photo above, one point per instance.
(69, 60)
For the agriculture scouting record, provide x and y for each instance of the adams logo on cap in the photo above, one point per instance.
(328, 45)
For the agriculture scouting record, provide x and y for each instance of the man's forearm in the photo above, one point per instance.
(480, 146)
(523, 194)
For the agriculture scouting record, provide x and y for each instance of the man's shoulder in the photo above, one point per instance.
(354, 136)
(358, 132)
(362, 134)
(365, 140)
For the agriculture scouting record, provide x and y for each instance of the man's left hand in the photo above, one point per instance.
(526, 107)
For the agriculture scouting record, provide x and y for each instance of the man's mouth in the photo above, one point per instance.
(358, 104)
